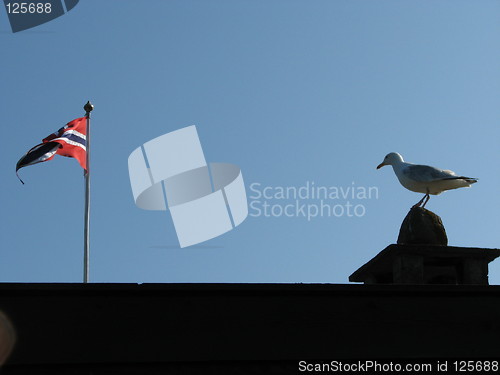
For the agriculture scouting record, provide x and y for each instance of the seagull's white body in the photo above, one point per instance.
(423, 178)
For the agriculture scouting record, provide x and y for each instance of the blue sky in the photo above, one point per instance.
(291, 91)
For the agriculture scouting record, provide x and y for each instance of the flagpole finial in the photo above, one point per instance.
(88, 107)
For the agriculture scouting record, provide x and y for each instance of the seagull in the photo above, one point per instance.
(423, 178)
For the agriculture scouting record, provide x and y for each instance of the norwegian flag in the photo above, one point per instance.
(70, 141)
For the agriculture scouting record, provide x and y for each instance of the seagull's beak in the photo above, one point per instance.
(380, 165)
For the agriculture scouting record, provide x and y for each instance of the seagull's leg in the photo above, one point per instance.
(419, 202)
(427, 200)
(426, 196)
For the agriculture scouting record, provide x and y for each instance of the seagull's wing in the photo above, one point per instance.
(426, 173)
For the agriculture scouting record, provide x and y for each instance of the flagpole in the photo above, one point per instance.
(86, 242)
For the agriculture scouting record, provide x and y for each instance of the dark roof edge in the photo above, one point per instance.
(240, 288)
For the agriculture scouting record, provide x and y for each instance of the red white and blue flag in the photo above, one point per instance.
(70, 141)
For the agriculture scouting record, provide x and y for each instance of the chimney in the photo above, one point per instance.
(421, 256)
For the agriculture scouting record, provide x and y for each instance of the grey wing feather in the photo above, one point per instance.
(425, 173)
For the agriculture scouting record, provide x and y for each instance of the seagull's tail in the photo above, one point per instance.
(470, 180)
